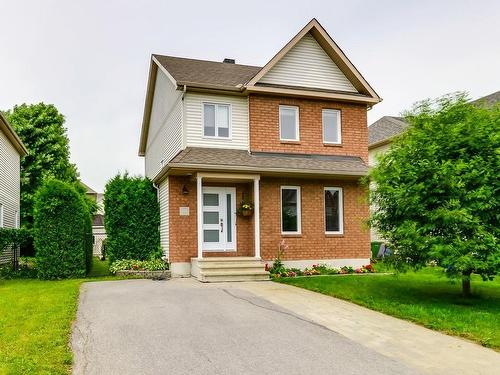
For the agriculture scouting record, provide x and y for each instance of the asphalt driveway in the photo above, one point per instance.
(181, 326)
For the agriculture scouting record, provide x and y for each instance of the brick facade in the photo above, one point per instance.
(313, 243)
(264, 126)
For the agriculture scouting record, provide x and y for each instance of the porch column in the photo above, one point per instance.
(256, 196)
(199, 214)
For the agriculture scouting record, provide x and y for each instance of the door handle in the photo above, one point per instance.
(221, 226)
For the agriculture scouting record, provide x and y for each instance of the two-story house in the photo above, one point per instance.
(290, 139)
(11, 151)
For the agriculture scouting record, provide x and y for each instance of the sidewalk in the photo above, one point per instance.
(425, 350)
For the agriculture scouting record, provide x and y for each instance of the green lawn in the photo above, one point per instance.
(99, 268)
(424, 297)
(35, 323)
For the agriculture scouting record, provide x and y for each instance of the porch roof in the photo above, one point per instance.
(198, 158)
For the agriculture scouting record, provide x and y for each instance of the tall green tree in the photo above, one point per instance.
(41, 128)
(437, 191)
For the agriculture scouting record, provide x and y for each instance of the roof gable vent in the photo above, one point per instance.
(229, 61)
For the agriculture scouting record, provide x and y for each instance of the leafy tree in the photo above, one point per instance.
(436, 191)
(132, 219)
(41, 128)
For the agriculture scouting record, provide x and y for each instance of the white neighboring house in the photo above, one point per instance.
(383, 131)
(11, 151)
(98, 231)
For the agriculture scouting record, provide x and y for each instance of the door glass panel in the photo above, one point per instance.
(332, 214)
(210, 199)
(211, 235)
(210, 218)
(229, 218)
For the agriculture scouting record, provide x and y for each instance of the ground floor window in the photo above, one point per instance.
(334, 220)
(290, 209)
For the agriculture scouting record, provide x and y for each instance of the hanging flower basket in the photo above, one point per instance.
(245, 209)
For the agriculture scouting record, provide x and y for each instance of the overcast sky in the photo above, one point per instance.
(90, 58)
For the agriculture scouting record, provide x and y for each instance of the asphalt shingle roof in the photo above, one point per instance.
(193, 72)
(489, 100)
(385, 128)
(266, 161)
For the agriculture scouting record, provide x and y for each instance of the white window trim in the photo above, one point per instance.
(341, 209)
(215, 137)
(297, 123)
(299, 211)
(1, 215)
(339, 129)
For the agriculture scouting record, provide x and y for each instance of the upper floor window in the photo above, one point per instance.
(331, 126)
(216, 120)
(289, 123)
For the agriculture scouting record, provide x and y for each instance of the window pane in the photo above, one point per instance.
(288, 123)
(332, 213)
(209, 120)
(223, 132)
(289, 210)
(210, 218)
(210, 199)
(211, 235)
(331, 125)
(229, 218)
(223, 116)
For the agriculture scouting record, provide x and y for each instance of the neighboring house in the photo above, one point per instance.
(290, 138)
(98, 231)
(11, 151)
(383, 131)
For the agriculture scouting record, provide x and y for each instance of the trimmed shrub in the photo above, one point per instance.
(61, 231)
(132, 219)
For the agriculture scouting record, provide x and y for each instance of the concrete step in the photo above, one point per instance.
(223, 265)
(220, 277)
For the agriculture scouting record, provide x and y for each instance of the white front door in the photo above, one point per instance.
(219, 219)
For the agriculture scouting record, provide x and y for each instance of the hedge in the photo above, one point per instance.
(132, 219)
(62, 231)
(13, 237)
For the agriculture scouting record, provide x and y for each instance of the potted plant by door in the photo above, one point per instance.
(245, 209)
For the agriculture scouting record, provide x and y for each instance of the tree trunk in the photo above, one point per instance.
(466, 286)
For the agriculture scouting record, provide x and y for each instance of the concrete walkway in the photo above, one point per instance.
(185, 327)
(420, 348)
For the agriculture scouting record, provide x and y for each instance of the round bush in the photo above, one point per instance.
(61, 231)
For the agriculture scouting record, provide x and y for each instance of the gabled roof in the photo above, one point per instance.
(384, 129)
(333, 51)
(488, 100)
(207, 74)
(12, 136)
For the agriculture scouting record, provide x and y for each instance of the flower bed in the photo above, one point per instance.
(317, 270)
(156, 269)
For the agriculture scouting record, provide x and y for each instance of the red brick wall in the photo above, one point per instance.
(313, 243)
(183, 229)
(264, 126)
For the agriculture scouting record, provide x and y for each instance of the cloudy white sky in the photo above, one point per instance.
(90, 57)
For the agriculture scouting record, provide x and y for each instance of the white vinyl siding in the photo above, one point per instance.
(194, 126)
(9, 188)
(332, 126)
(308, 65)
(289, 123)
(334, 210)
(165, 128)
(163, 199)
(290, 210)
